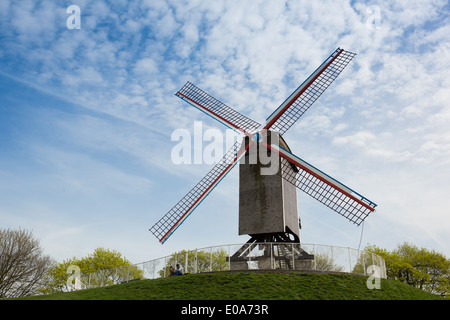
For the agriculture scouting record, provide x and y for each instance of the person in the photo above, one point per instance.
(171, 271)
(178, 270)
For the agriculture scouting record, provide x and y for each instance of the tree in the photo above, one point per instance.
(23, 265)
(419, 267)
(102, 267)
(368, 258)
(324, 262)
(57, 276)
(108, 267)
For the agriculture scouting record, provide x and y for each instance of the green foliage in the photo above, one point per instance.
(103, 266)
(366, 259)
(56, 279)
(418, 267)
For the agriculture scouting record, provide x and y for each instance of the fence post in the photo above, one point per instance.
(349, 259)
(364, 263)
(315, 263)
(293, 257)
(272, 265)
(195, 261)
(373, 260)
(229, 257)
(165, 266)
(210, 259)
(332, 255)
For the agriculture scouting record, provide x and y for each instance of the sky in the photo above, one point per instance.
(87, 114)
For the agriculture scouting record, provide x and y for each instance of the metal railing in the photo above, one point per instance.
(244, 257)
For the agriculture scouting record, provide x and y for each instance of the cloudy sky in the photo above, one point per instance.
(86, 116)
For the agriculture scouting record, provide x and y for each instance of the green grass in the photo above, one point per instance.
(250, 286)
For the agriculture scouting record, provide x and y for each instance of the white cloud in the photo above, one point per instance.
(145, 66)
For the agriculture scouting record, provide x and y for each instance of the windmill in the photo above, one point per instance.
(267, 202)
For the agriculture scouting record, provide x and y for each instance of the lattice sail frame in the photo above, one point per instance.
(325, 189)
(167, 225)
(309, 91)
(216, 109)
(312, 181)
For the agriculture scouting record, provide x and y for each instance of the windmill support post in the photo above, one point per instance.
(271, 256)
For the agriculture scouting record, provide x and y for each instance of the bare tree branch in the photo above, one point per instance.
(23, 265)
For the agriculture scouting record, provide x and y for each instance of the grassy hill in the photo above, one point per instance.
(250, 286)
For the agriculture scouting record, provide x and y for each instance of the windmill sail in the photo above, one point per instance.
(164, 228)
(308, 92)
(325, 189)
(216, 109)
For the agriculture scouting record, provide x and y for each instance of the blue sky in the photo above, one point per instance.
(86, 116)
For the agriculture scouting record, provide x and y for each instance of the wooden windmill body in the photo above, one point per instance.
(267, 202)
